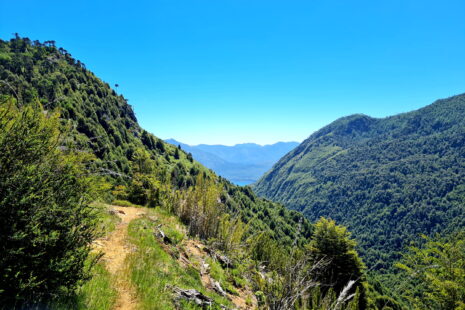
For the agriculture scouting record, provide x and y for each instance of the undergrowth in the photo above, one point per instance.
(154, 271)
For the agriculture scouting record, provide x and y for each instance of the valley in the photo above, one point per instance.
(242, 164)
(99, 213)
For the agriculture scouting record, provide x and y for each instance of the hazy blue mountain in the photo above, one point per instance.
(242, 163)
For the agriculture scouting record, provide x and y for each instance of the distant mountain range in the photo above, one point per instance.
(242, 163)
(387, 179)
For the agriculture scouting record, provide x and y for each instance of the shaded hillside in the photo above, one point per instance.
(242, 163)
(103, 123)
(388, 180)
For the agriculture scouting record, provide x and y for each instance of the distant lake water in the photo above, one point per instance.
(242, 183)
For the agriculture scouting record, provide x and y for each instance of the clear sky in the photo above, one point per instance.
(232, 71)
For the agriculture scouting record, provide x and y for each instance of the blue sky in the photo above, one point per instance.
(232, 71)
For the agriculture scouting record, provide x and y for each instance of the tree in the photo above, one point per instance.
(201, 209)
(288, 287)
(46, 223)
(332, 242)
(436, 273)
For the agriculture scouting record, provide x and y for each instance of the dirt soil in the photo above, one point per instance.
(116, 248)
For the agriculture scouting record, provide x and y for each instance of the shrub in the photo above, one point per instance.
(46, 223)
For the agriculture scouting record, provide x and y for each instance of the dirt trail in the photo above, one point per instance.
(116, 249)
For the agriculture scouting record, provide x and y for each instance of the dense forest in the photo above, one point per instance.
(389, 180)
(71, 151)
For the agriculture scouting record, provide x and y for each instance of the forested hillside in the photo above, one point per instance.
(69, 144)
(97, 213)
(103, 123)
(389, 180)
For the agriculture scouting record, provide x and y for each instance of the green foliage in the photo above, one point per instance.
(387, 179)
(152, 270)
(230, 233)
(435, 273)
(141, 168)
(46, 222)
(123, 203)
(296, 285)
(103, 122)
(200, 209)
(222, 276)
(97, 293)
(106, 222)
(332, 242)
(266, 251)
(261, 215)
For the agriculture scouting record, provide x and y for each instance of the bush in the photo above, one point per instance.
(46, 223)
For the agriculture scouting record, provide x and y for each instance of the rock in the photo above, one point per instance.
(224, 261)
(204, 268)
(192, 295)
(121, 212)
(112, 212)
(160, 234)
(217, 287)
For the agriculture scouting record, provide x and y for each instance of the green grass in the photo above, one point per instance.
(153, 270)
(222, 276)
(171, 225)
(107, 222)
(95, 294)
(124, 203)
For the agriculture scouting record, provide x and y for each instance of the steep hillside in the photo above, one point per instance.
(388, 180)
(242, 163)
(103, 123)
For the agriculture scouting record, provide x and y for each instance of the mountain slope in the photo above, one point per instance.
(104, 124)
(388, 180)
(129, 166)
(241, 163)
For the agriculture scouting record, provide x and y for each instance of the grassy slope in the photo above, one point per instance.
(154, 267)
(153, 270)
